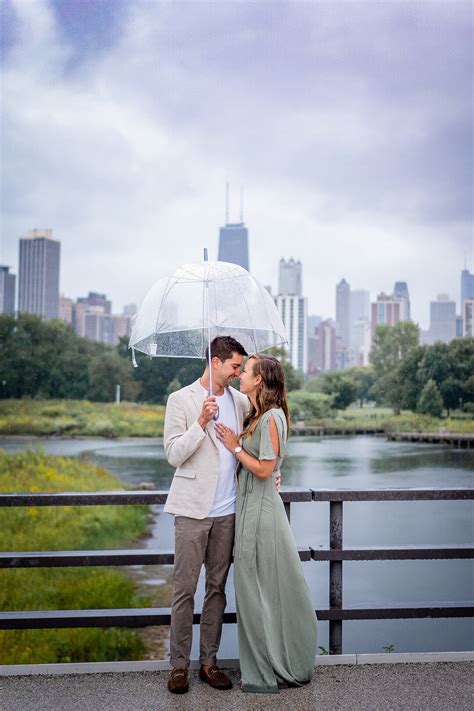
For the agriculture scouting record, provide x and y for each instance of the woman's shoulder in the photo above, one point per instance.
(272, 412)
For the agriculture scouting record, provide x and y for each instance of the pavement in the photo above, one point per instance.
(442, 686)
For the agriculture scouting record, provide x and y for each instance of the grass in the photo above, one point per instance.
(382, 418)
(73, 418)
(80, 418)
(66, 528)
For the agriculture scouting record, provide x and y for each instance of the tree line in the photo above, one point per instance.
(46, 359)
(403, 375)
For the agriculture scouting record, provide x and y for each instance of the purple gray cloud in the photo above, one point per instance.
(349, 124)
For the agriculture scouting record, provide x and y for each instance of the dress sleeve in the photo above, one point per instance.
(266, 446)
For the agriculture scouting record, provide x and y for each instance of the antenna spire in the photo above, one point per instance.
(242, 203)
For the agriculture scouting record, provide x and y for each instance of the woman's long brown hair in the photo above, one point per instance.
(270, 393)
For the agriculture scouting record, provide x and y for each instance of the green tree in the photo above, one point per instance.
(293, 378)
(107, 370)
(363, 378)
(409, 377)
(308, 406)
(389, 347)
(155, 375)
(340, 386)
(431, 402)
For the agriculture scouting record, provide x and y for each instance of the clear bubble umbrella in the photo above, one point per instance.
(184, 312)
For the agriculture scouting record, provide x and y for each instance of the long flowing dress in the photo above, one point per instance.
(275, 613)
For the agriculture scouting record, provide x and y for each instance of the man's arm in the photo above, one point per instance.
(180, 441)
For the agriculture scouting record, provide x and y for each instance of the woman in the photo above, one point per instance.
(275, 613)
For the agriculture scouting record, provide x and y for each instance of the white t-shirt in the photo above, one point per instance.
(226, 491)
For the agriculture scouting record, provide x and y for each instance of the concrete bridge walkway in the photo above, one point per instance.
(335, 687)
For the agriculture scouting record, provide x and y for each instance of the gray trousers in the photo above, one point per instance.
(197, 541)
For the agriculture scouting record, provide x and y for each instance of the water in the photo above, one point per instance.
(349, 462)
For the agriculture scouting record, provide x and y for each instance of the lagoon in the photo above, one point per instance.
(340, 462)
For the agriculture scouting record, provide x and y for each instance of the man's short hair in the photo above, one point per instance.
(223, 347)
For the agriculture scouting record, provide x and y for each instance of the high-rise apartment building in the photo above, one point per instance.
(468, 318)
(388, 310)
(234, 244)
(467, 286)
(322, 348)
(361, 341)
(38, 283)
(313, 322)
(95, 299)
(7, 291)
(290, 277)
(442, 319)
(343, 311)
(66, 309)
(294, 313)
(359, 321)
(400, 291)
(130, 310)
(359, 305)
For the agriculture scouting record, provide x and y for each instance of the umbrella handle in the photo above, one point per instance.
(216, 416)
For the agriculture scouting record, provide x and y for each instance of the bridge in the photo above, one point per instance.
(378, 681)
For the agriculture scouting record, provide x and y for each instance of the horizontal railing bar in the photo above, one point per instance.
(60, 559)
(412, 494)
(444, 552)
(144, 617)
(114, 498)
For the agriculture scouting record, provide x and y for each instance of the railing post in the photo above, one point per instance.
(335, 576)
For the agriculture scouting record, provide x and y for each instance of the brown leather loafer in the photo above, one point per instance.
(215, 678)
(178, 681)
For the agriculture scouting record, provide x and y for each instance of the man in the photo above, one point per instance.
(202, 497)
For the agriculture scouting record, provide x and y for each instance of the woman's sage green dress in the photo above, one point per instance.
(275, 614)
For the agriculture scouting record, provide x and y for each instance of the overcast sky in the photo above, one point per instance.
(349, 124)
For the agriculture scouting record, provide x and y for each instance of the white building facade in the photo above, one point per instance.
(294, 314)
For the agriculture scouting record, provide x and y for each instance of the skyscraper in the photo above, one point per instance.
(442, 319)
(95, 299)
(234, 237)
(359, 325)
(322, 353)
(294, 314)
(385, 311)
(343, 311)
(468, 318)
(400, 291)
(290, 277)
(7, 291)
(467, 286)
(234, 244)
(38, 283)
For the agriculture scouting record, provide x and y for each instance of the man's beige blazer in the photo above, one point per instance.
(194, 451)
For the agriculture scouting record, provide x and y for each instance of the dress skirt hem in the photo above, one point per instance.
(260, 689)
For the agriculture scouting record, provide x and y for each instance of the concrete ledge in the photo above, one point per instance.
(414, 657)
(154, 666)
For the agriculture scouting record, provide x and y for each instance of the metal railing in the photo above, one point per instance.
(336, 554)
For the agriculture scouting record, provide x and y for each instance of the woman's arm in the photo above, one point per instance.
(261, 468)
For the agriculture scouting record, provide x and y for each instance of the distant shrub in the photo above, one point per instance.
(308, 406)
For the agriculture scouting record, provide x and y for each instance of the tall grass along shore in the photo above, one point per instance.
(81, 418)
(66, 528)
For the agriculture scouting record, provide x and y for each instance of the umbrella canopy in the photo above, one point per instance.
(182, 313)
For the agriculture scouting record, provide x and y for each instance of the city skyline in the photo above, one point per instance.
(466, 280)
(355, 156)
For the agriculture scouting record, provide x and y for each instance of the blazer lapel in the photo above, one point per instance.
(199, 395)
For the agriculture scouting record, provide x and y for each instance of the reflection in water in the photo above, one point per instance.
(340, 462)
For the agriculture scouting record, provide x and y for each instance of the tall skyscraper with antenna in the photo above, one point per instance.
(234, 237)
